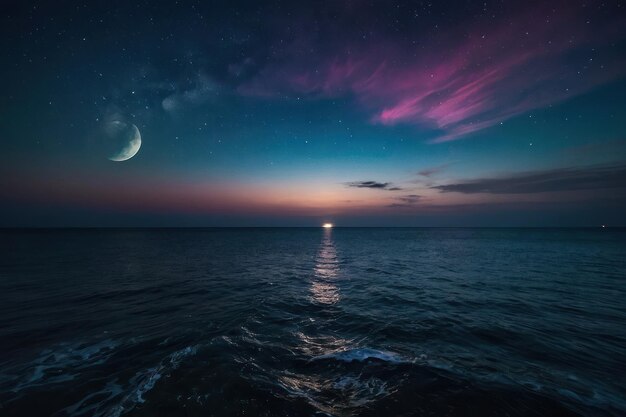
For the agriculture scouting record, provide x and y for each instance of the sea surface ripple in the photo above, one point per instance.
(311, 322)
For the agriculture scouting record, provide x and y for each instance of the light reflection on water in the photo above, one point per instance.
(330, 393)
(323, 288)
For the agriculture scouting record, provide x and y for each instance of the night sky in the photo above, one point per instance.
(287, 113)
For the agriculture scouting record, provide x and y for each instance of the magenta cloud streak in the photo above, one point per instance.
(456, 86)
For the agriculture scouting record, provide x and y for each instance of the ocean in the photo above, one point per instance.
(313, 322)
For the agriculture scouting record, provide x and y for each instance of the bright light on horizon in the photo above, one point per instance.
(327, 225)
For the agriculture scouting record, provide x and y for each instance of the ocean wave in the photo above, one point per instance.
(93, 404)
(63, 363)
(141, 383)
(362, 355)
(362, 391)
(144, 381)
(333, 395)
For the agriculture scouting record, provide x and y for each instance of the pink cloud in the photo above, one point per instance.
(462, 85)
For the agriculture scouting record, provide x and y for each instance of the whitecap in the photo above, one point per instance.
(145, 381)
(63, 362)
(363, 354)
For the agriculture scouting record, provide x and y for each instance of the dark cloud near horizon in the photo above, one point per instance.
(409, 200)
(555, 180)
(374, 185)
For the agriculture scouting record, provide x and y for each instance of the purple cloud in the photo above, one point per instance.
(459, 85)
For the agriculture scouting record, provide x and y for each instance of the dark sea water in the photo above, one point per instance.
(308, 322)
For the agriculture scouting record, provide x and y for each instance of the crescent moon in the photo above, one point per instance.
(131, 148)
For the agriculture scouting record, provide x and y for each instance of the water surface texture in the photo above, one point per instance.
(312, 322)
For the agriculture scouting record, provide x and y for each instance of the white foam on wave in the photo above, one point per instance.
(361, 391)
(91, 404)
(145, 381)
(63, 362)
(363, 354)
(98, 403)
(566, 387)
(333, 394)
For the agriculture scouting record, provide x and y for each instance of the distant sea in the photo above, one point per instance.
(313, 322)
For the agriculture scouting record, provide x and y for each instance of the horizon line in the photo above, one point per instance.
(297, 227)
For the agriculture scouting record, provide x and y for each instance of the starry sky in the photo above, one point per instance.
(289, 113)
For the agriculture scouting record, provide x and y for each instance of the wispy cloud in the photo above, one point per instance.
(462, 85)
(556, 180)
(431, 171)
(373, 184)
(203, 90)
